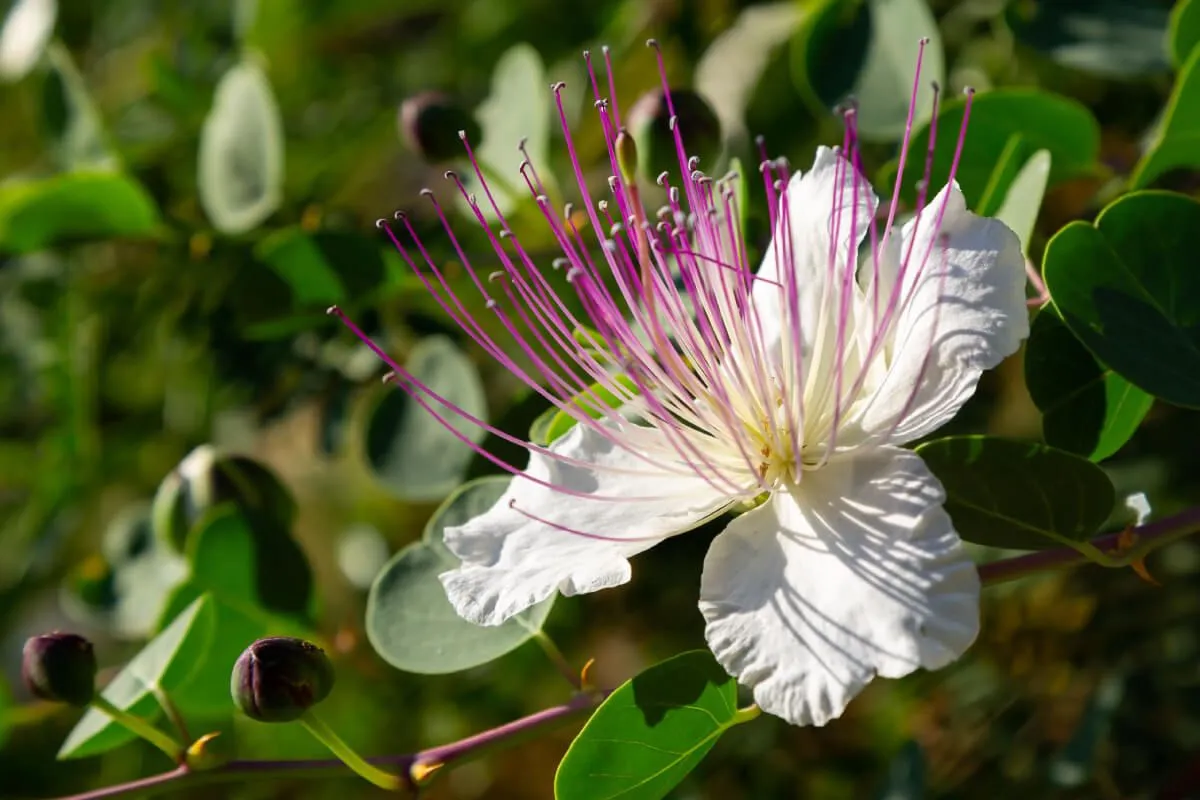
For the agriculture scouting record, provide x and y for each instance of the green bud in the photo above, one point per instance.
(206, 478)
(650, 121)
(430, 124)
(60, 667)
(627, 157)
(279, 678)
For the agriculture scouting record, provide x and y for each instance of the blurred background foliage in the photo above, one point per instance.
(187, 186)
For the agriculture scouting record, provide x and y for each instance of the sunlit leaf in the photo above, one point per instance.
(1023, 201)
(73, 207)
(410, 622)
(1019, 495)
(325, 267)
(1086, 408)
(731, 66)
(413, 454)
(1184, 32)
(241, 152)
(24, 34)
(1007, 126)
(1176, 142)
(651, 732)
(167, 662)
(1129, 289)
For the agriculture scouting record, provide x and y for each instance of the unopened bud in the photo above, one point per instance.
(431, 124)
(627, 157)
(279, 678)
(651, 122)
(60, 667)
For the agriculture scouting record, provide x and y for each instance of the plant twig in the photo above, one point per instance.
(448, 754)
(1147, 538)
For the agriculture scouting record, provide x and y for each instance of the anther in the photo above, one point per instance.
(381, 223)
(388, 377)
(573, 273)
(602, 205)
(661, 180)
(490, 304)
(426, 192)
(652, 43)
(558, 87)
(400, 215)
(693, 163)
(505, 233)
(496, 275)
(333, 311)
(559, 263)
(462, 134)
(450, 175)
(542, 200)
(671, 123)
(673, 193)
(521, 145)
(613, 183)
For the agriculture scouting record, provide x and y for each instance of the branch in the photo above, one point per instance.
(444, 755)
(1147, 538)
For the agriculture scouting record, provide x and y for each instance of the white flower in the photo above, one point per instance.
(796, 385)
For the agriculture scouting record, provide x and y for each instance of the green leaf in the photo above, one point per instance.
(1021, 205)
(1086, 409)
(651, 732)
(1041, 120)
(595, 404)
(413, 454)
(1019, 495)
(35, 215)
(240, 177)
(24, 32)
(1111, 38)
(516, 109)
(1129, 289)
(167, 662)
(868, 49)
(1177, 141)
(1183, 33)
(324, 267)
(72, 123)
(733, 65)
(412, 625)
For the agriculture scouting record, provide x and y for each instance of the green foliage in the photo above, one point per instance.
(1007, 126)
(651, 732)
(1086, 408)
(413, 456)
(1128, 288)
(1114, 38)
(1023, 197)
(74, 207)
(241, 152)
(1176, 143)
(1184, 31)
(168, 662)
(409, 620)
(1019, 495)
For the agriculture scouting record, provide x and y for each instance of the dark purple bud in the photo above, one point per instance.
(432, 124)
(60, 667)
(279, 678)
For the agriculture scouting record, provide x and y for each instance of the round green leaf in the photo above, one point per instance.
(240, 177)
(1183, 33)
(1006, 127)
(1019, 495)
(1086, 408)
(412, 625)
(829, 49)
(1129, 289)
(1176, 143)
(651, 732)
(35, 215)
(1112, 38)
(413, 454)
(167, 662)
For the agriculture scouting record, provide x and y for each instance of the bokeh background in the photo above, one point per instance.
(126, 343)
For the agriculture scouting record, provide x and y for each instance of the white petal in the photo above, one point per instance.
(511, 561)
(811, 199)
(966, 315)
(855, 573)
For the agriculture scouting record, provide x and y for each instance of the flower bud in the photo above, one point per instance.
(279, 678)
(60, 667)
(650, 122)
(207, 478)
(430, 123)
